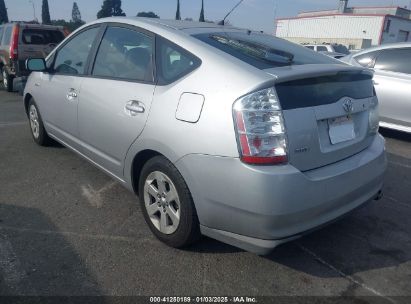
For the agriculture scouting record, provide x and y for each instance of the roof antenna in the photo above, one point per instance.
(222, 22)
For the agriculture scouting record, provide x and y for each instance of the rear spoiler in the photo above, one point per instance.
(296, 72)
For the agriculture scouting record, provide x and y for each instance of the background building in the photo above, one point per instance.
(355, 27)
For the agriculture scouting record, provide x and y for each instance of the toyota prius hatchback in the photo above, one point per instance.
(223, 132)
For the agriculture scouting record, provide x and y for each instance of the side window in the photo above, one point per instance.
(7, 35)
(393, 60)
(367, 60)
(173, 61)
(322, 49)
(311, 47)
(125, 54)
(71, 59)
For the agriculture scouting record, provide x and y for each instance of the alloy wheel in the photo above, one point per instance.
(5, 80)
(162, 202)
(34, 121)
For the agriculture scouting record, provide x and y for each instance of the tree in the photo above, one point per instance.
(202, 19)
(4, 18)
(45, 13)
(110, 8)
(117, 11)
(178, 15)
(105, 10)
(71, 26)
(75, 14)
(147, 15)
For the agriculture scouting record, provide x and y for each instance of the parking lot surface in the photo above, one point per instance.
(68, 229)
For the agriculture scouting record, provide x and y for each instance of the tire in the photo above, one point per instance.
(38, 132)
(7, 80)
(162, 212)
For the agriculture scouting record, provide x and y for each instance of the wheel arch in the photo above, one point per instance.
(139, 160)
(26, 100)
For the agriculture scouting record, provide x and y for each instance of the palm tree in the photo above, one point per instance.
(202, 19)
(178, 15)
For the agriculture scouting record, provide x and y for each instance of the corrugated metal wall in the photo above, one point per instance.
(338, 26)
(396, 26)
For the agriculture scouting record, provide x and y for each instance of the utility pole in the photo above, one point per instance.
(275, 16)
(34, 10)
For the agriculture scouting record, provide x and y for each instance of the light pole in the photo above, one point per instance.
(34, 9)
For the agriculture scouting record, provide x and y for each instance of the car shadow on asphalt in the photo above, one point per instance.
(371, 238)
(395, 134)
(374, 237)
(37, 260)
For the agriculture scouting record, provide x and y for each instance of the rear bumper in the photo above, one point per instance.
(257, 208)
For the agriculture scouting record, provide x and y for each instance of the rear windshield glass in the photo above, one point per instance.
(323, 90)
(262, 51)
(40, 36)
(339, 48)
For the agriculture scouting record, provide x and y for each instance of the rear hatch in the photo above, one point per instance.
(38, 41)
(326, 112)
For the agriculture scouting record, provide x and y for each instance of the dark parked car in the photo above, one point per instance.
(19, 41)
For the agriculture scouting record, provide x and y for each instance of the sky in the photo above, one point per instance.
(252, 14)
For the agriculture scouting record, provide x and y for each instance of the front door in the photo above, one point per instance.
(60, 88)
(115, 100)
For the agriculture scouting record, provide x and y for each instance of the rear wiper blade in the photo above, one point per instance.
(257, 50)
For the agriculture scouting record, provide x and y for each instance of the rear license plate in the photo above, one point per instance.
(341, 129)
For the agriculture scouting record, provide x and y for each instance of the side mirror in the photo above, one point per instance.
(36, 65)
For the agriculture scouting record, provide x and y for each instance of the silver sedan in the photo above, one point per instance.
(392, 65)
(229, 133)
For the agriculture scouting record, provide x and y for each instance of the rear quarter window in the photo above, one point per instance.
(41, 36)
(366, 60)
(7, 35)
(173, 62)
(263, 51)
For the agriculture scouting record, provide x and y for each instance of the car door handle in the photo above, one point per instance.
(71, 94)
(133, 107)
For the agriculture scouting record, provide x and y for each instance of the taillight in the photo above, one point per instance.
(260, 128)
(14, 44)
(66, 31)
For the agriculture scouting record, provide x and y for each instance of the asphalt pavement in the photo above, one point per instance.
(68, 229)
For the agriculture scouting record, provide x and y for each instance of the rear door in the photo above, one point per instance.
(393, 85)
(115, 101)
(57, 94)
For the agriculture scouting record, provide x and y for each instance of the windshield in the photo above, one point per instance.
(339, 48)
(261, 50)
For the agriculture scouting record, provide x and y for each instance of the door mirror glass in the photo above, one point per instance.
(36, 64)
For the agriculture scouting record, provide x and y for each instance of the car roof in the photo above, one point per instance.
(384, 47)
(178, 24)
(192, 27)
